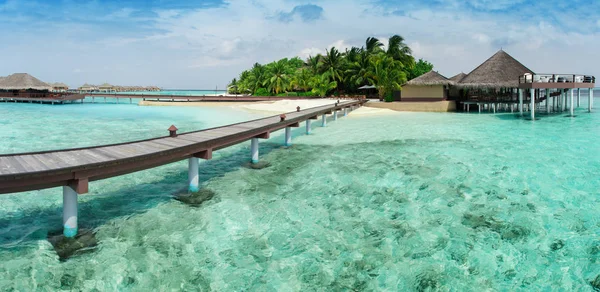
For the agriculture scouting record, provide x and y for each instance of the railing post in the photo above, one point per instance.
(70, 224)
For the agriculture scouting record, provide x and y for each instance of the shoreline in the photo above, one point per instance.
(270, 107)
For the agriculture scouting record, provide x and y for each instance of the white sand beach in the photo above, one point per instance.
(273, 107)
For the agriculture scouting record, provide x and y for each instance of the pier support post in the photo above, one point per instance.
(520, 101)
(130, 100)
(324, 118)
(590, 98)
(547, 101)
(307, 126)
(193, 182)
(254, 149)
(578, 97)
(69, 212)
(571, 103)
(93, 99)
(288, 136)
(532, 109)
(345, 111)
(335, 115)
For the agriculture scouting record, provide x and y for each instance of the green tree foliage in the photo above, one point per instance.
(321, 84)
(386, 68)
(420, 68)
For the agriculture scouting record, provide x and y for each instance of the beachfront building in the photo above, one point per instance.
(106, 88)
(503, 83)
(59, 87)
(431, 86)
(88, 88)
(23, 85)
(494, 82)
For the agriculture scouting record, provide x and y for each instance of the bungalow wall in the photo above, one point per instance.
(423, 93)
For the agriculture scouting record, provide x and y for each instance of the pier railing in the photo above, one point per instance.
(556, 78)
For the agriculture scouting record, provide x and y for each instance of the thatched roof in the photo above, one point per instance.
(458, 77)
(20, 81)
(430, 78)
(500, 70)
(105, 85)
(59, 84)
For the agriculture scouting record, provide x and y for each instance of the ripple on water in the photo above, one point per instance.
(406, 202)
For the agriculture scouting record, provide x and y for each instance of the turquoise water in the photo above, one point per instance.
(401, 202)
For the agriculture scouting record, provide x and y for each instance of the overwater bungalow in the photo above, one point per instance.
(23, 85)
(106, 88)
(431, 86)
(88, 88)
(59, 87)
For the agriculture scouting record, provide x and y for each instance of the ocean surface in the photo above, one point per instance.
(396, 202)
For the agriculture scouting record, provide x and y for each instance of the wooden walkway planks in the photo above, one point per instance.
(54, 168)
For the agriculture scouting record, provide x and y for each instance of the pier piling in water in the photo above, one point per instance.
(324, 118)
(590, 99)
(254, 149)
(345, 111)
(288, 136)
(335, 115)
(193, 181)
(308, 126)
(532, 106)
(70, 224)
(521, 102)
(571, 103)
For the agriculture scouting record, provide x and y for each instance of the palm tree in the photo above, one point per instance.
(301, 80)
(278, 79)
(321, 84)
(398, 50)
(232, 87)
(352, 54)
(314, 63)
(332, 63)
(387, 74)
(359, 72)
(256, 78)
(373, 45)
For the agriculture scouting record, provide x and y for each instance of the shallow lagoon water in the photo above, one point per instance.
(401, 202)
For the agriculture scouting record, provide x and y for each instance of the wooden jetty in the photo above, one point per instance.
(190, 98)
(73, 169)
(57, 99)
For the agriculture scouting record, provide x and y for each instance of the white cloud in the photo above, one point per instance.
(205, 47)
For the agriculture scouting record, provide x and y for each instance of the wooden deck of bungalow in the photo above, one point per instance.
(73, 169)
(191, 98)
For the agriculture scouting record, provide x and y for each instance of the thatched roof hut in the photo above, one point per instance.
(458, 77)
(87, 87)
(59, 85)
(430, 78)
(23, 81)
(500, 70)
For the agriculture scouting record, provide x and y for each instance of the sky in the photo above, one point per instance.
(204, 44)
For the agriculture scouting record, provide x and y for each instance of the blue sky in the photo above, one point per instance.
(203, 44)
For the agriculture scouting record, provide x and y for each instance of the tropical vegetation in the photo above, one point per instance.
(335, 72)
